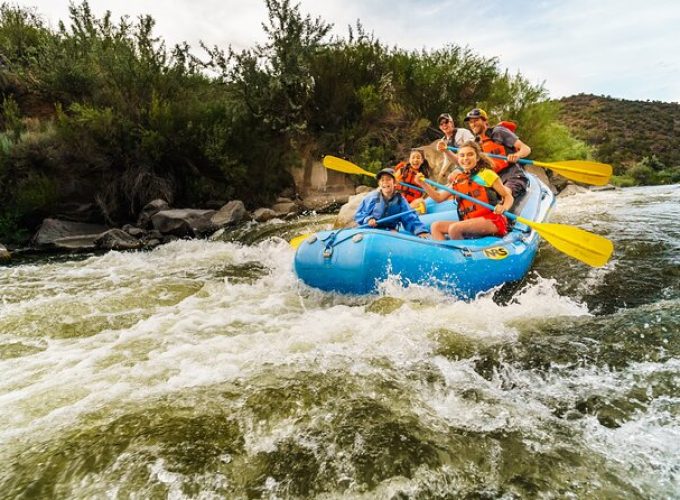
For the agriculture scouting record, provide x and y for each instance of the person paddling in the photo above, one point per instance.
(386, 201)
(500, 140)
(477, 179)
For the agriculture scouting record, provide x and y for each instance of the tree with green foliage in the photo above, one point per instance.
(101, 112)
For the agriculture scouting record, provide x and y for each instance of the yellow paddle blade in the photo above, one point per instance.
(578, 243)
(335, 163)
(587, 172)
(297, 241)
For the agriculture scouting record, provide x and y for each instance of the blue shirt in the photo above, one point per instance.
(375, 206)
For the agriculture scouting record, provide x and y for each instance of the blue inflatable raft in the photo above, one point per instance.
(355, 261)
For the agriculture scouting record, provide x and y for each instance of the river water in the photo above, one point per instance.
(204, 369)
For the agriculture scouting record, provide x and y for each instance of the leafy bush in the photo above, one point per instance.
(131, 120)
(623, 181)
(641, 173)
(11, 230)
(669, 176)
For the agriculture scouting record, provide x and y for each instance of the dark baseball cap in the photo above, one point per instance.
(385, 171)
(444, 116)
(476, 113)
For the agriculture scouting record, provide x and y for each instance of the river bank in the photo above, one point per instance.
(157, 223)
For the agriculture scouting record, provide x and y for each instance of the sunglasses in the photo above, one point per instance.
(444, 122)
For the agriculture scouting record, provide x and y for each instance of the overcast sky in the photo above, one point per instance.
(622, 48)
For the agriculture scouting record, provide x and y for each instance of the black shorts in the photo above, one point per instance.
(514, 178)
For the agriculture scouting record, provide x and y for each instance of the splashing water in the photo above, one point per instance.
(204, 369)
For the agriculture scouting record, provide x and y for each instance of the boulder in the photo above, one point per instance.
(4, 253)
(183, 221)
(325, 202)
(154, 242)
(607, 187)
(153, 235)
(149, 210)
(284, 208)
(133, 230)
(558, 182)
(231, 213)
(347, 211)
(83, 243)
(541, 173)
(67, 234)
(363, 189)
(572, 189)
(263, 214)
(117, 239)
(288, 192)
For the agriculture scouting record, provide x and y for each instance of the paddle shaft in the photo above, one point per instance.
(586, 172)
(347, 167)
(295, 242)
(417, 188)
(386, 219)
(522, 161)
(589, 248)
(507, 213)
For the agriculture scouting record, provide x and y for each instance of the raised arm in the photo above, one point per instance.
(437, 196)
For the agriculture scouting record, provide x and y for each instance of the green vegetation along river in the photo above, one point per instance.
(204, 369)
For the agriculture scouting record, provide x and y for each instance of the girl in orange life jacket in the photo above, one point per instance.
(481, 182)
(407, 173)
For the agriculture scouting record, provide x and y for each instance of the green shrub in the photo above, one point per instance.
(37, 192)
(11, 118)
(669, 176)
(11, 228)
(623, 181)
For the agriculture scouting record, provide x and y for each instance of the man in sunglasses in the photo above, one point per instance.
(454, 137)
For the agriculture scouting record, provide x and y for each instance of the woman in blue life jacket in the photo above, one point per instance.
(386, 201)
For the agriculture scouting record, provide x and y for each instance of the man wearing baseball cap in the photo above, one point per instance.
(499, 140)
(454, 137)
(386, 201)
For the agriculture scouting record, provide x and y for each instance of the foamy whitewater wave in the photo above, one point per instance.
(191, 326)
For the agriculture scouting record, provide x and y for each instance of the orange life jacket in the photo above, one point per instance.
(491, 147)
(468, 209)
(404, 173)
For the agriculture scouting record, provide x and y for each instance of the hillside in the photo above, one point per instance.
(628, 134)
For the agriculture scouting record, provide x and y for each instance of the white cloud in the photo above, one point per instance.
(621, 48)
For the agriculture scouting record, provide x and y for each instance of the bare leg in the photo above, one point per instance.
(440, 228)
(475, 228)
